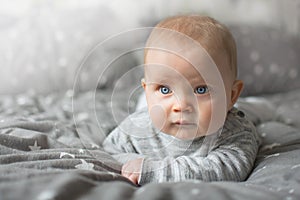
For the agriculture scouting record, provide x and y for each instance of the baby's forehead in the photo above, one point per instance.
(198, 63)
(203, 44)
(190, 59)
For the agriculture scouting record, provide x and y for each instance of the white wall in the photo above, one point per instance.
(43, 42)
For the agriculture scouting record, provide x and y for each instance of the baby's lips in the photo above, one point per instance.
(184, 122)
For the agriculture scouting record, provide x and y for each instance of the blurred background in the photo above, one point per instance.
(43, 42)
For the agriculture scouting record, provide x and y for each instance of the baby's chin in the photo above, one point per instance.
(189, 133)
(186, 133)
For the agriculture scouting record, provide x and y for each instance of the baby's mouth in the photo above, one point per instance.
(184, 123)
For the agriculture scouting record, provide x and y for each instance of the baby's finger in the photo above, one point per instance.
(133, 178)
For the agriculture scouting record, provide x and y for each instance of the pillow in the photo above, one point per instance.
(268, 59)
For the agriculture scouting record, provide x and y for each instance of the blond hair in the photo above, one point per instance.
(213, 36)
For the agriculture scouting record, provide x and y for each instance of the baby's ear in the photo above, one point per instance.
(236, 91)
(143, 83)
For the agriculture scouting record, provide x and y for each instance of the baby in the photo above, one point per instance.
(190, 128)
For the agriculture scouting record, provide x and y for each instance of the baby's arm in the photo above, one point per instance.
(231, 160)
(132, 170)
(116, 144)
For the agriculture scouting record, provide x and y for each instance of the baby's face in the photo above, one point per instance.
(180, 101)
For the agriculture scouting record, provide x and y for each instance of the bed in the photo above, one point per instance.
(50, 141)
(44, 155)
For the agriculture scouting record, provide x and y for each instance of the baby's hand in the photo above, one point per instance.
(132, 170)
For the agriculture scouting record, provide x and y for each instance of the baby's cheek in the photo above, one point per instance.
(158, 116)
(217, 115)
(204, 117)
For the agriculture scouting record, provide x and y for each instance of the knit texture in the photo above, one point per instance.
(227, 155)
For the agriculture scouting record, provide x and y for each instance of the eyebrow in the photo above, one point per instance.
(159, 81)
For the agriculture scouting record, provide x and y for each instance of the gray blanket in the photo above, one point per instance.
(51, 149)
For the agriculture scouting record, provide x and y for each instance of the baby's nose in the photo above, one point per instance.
(183, 105)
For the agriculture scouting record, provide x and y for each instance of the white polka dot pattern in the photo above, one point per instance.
(267, 59)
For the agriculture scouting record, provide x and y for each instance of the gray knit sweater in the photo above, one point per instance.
(227, 155)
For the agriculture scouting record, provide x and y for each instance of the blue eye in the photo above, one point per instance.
(201, 90)
(164, 90)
